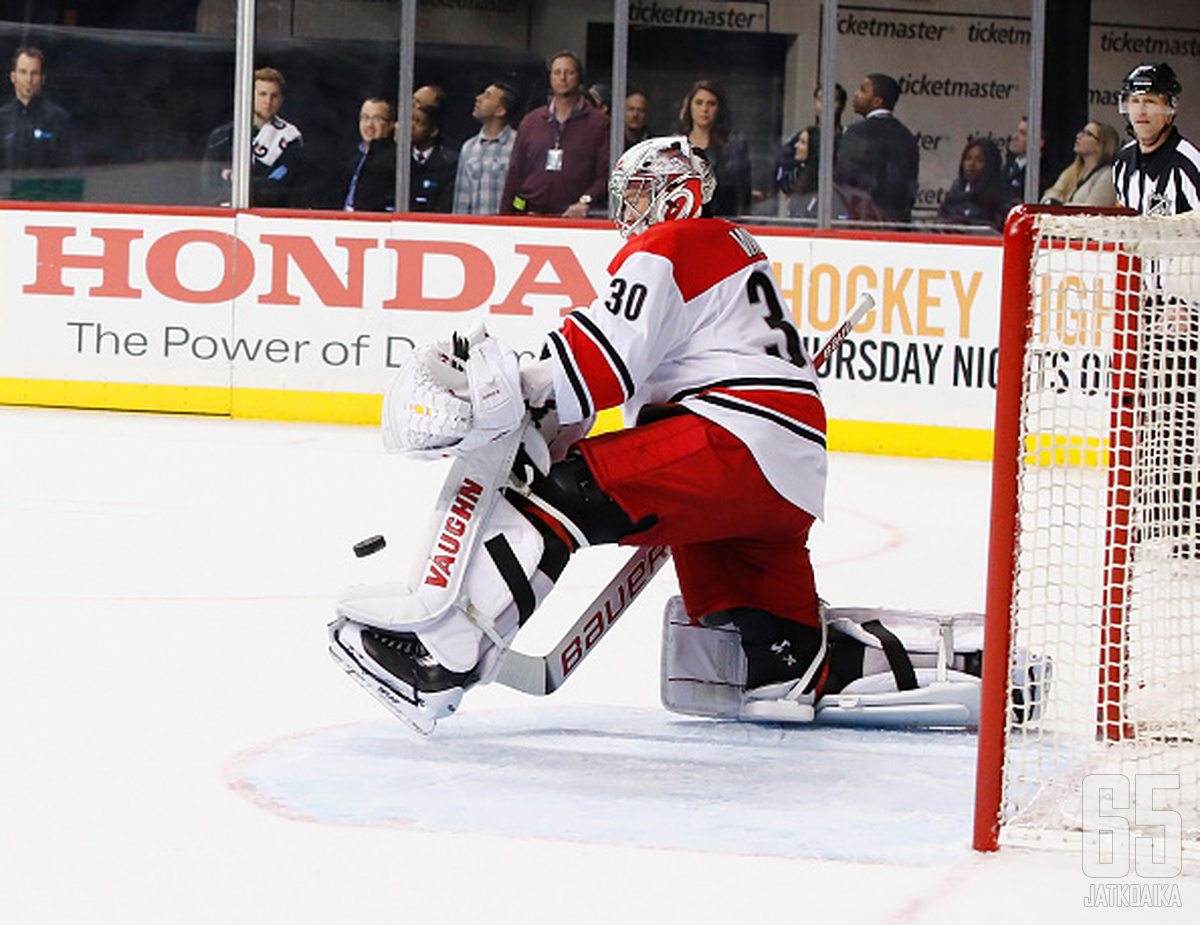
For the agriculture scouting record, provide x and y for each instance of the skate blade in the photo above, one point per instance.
(776, 711)
(942, 703)
(397, 704)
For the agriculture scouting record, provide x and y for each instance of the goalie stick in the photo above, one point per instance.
(544, 674)
(865, 303)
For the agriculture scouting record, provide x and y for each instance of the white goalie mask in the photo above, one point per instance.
(658, 180)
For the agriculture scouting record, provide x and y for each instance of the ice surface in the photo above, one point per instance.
(643, 778)
(179, 748)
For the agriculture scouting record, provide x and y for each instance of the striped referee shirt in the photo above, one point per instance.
(1164, 182)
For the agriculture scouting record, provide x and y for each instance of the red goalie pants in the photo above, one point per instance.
(736, 541)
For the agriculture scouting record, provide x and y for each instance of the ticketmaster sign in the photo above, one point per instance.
(701, 14)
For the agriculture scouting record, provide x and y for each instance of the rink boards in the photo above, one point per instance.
(308, 316)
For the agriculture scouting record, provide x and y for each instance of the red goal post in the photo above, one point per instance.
(1092, 648)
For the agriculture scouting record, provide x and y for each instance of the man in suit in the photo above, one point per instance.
(878, 155)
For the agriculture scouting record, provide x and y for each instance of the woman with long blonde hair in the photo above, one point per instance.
(1088, 180)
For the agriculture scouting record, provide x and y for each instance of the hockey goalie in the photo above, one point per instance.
(724, 462)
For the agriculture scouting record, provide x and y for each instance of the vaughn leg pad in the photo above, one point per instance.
(886, 669)
(704, 672)
(703, 668)
(894, 668)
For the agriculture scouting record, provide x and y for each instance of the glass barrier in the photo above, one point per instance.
(484, 82)
(112, 114)
(132, 103)
(324, 74)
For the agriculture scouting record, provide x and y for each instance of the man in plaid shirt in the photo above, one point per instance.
(483, 160)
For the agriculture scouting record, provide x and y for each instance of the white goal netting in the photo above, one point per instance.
(1106, 577)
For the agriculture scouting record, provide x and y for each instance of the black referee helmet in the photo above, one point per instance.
(1152, 78)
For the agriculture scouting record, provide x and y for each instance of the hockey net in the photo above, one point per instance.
(1092, 656)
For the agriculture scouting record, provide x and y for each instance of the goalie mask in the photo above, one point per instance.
(657, 180)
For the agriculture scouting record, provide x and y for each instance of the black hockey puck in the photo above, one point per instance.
(372, 544)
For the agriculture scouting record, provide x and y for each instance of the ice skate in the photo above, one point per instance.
(784, 661)
(742, 663)
(417, 651)
(398, 671)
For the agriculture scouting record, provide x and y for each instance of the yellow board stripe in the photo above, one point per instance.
(116, 396)
(1058, 449)
(316, 407)
(921, 441)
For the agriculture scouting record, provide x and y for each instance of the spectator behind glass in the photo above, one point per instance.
(483, 160)
(431, 185)
(708, 124)
(435, 95)
(1016, 160)
(429, 95)
(878, 156)
(601, 97)
(636, 128)
(559, 164)
(276, 152)
(980, 195)
(34, 132)
(1087, 181)
(839, 106)
(789, 164)
(798, 184)
(367, 175)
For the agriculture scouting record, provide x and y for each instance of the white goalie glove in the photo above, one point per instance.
(452, 397)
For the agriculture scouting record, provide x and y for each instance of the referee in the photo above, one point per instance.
(1158, 173)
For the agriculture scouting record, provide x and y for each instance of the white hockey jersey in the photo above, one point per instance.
(693, 315)
(272, 139)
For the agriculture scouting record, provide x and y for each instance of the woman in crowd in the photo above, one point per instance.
(979, 196)
(706, 120)
(1088, 180)
(796, 173)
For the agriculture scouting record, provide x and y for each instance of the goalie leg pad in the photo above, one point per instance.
(889, 669)
(703, 667)
(489, 566)
(501, 585)
(740, 664)
(420, 669)
(876, 701)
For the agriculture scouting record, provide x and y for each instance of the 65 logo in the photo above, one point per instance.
(1131, 823)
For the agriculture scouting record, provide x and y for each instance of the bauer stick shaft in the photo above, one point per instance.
(865, 303)
(544, 674)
